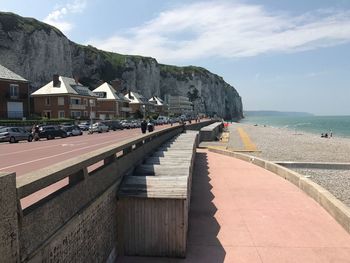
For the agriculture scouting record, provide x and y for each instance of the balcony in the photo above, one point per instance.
(77, 107)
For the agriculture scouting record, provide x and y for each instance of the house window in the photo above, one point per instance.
(60, 101)
(75, 114)
(14, 91)
(75, 101)
(47, 114)
(101, 94)
(61, 114)
(85, 101)
(47, 101)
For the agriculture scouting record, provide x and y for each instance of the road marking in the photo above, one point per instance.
(39, 148)
(82, 141)
(52, 156)
(248, 144)
(68, 144)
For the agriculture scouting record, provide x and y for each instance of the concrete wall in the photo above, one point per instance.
(198, 125)
(9, 250)
(76, 223)
(210, 132)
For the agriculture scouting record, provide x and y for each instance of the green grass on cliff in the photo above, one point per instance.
(13, 22)
(183, 73)
(117, 60)
(182, 70)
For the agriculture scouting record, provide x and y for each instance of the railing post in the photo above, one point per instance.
(9, 245)
(109, 159)
(78, 176)
(127, 150)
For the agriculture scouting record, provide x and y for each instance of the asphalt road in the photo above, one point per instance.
(24, 157)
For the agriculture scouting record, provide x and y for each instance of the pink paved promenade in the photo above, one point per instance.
(243, 213)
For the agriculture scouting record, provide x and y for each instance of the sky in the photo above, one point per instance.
(280, 55)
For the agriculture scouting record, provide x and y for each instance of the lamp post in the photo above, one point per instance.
(91, 101)
(144, 111)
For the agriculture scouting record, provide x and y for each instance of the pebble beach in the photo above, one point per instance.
(281, 144)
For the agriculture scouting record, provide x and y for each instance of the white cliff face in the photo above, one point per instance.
(142, 76)
(35, 57)
(212, 96)
(36, 51)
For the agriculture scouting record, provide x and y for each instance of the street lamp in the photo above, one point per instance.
(144, 111)
(91, 101)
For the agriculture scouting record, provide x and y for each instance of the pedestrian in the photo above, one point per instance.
(144, 126)
(150, 126)
(35, 132)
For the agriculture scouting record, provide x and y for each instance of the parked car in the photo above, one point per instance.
(136, 123)
(98, 127)
(114, 125)
(14, 134)
(84, 126)
(50, 132)
(72, 130)
(125, 124)
(162, 120)
(132, 124)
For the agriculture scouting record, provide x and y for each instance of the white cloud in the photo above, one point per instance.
(224, 29)
(57, 17)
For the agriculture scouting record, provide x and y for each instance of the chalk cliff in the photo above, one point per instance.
(36, 51)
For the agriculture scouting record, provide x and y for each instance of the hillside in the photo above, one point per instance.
(37, 50)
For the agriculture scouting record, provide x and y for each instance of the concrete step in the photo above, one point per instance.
(158, 170)
(168, 161)
(173, 154)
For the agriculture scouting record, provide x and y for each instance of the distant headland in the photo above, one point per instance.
(275, 113)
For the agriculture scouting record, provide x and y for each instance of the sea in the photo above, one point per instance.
(338, 125)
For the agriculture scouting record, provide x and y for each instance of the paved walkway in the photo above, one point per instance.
(239, 140)
(243, 213)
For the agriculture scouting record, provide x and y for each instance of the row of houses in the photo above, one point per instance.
(65, 97)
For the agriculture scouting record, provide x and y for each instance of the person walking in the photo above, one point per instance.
(144, 126)
(35, 131)
(150, 126)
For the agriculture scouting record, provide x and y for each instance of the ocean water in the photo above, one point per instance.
(339, 125)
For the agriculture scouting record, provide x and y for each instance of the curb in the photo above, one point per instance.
(339, 211)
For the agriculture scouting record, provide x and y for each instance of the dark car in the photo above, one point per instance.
(50, 132)
(114, 125)
(14, 134)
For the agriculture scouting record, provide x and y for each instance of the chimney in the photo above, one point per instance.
(56, 80)
(76, 78)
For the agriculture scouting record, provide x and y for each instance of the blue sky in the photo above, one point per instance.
(280, 55)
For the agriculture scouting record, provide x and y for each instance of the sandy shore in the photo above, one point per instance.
(280, 144)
